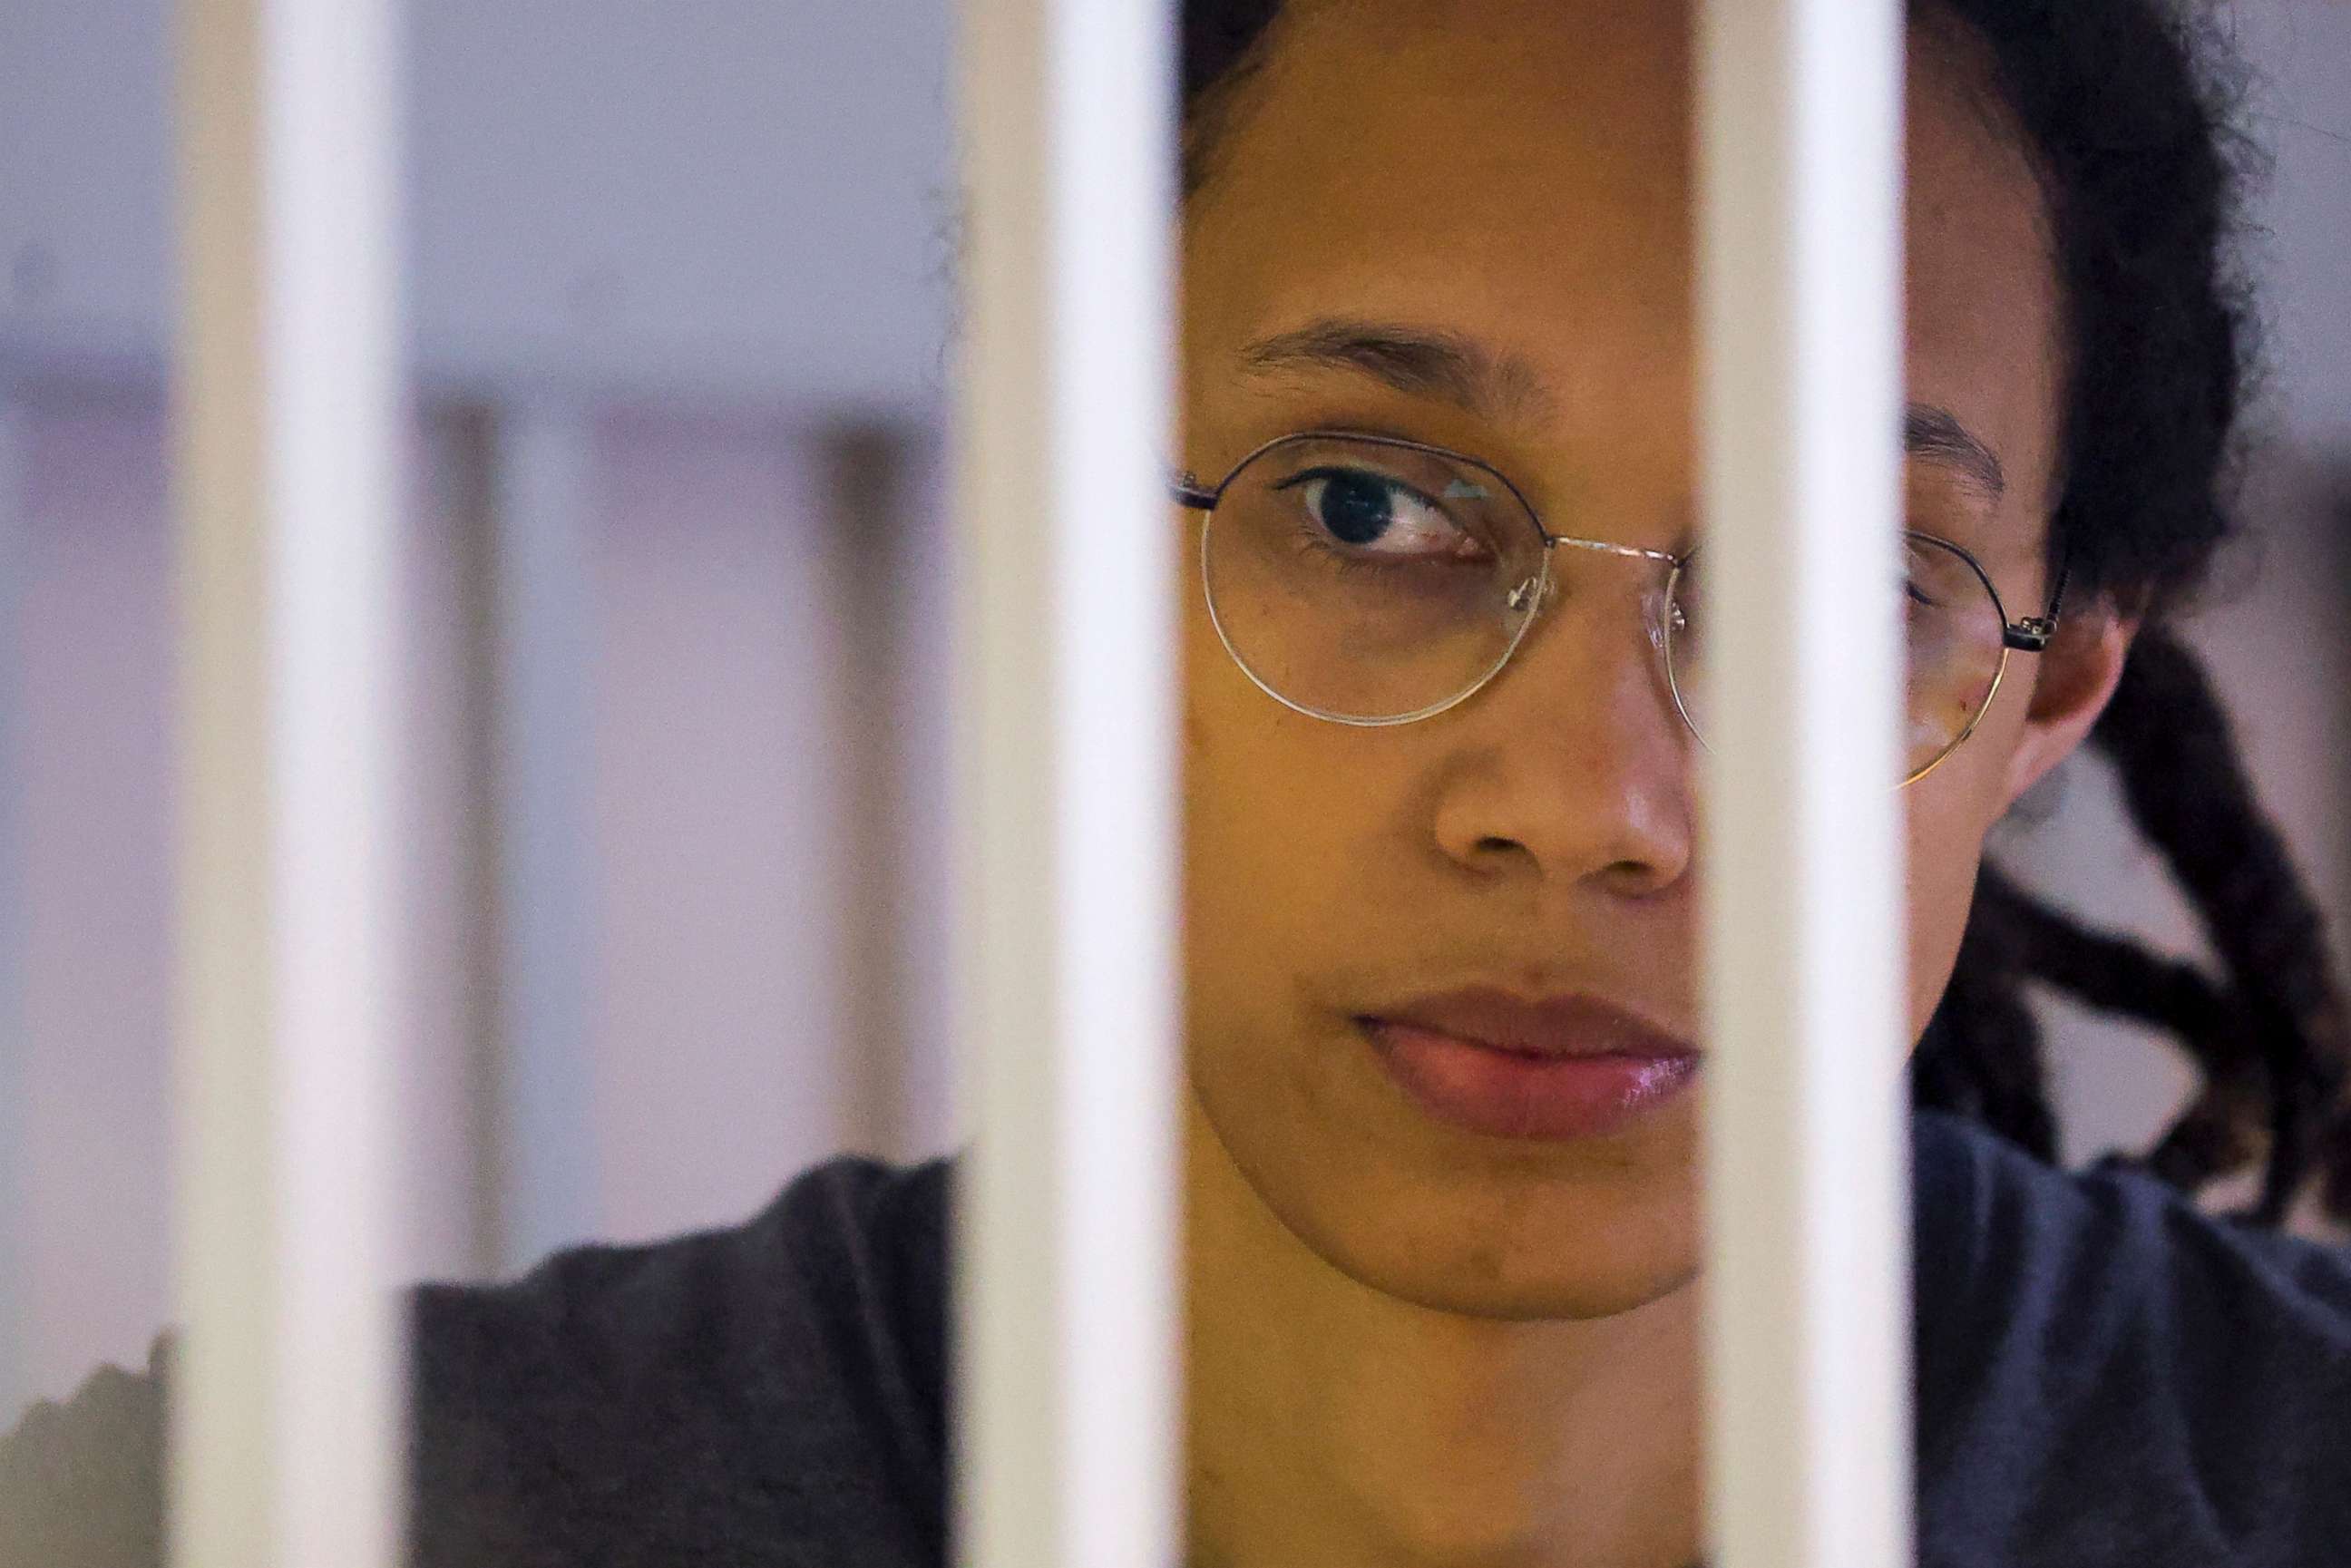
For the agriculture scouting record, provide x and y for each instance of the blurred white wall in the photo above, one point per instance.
(746, 198)
(716, 1055)
(91, 813)
(726, 746)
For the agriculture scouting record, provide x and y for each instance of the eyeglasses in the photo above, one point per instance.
(1368, 580)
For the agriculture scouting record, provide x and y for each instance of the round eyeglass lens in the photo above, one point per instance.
(1953, 638)
(1368, 580)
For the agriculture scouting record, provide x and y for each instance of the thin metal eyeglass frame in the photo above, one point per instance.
(2030, 634)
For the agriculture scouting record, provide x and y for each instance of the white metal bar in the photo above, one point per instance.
(14, 1189)
(1810, 1435)
(286, 1410)
(1066, 596)
(542, 765)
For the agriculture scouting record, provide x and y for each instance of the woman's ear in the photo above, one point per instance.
(2078, 672)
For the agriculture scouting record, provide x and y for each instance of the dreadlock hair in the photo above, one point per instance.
(2120, 107)
(2270, 1035)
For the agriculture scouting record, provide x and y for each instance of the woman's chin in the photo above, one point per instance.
(1596, 1285)
(1499, 1244)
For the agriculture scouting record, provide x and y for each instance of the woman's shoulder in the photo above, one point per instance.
(848, 1264)
(2105, 1370)
(771, 1391)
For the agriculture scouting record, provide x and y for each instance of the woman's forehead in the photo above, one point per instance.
(1521, 175)
(1373, 133)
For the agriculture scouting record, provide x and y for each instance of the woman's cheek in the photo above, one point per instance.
(1944, 849)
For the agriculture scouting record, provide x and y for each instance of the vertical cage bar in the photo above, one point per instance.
(1800, 109)
(286, 1411)
(1066, 585)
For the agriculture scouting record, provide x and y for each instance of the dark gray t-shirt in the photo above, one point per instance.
(2107, 1379)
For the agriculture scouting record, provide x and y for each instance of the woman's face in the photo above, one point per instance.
(1515, 177)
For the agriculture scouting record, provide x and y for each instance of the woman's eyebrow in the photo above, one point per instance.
(1936, 435)
(1425, 361)
(1420, 361)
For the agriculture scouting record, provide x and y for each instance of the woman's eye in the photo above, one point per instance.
(1367, 511)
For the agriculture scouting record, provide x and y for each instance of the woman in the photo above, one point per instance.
(1442, 878)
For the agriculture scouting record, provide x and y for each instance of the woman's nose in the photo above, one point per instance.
(1574, 765)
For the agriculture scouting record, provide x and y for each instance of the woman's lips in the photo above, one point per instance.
(1564, 1068)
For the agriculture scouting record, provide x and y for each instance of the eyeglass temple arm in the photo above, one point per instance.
(2033, 634)
(1188, 491)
